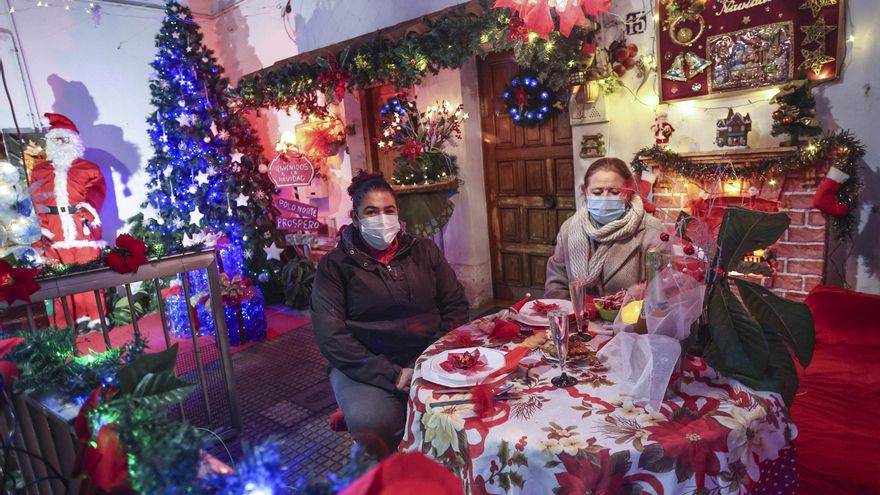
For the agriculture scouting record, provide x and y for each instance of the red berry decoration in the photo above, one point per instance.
(621, 54)
(632, 49)
(620, 70)
(689, 250)
(664, 236)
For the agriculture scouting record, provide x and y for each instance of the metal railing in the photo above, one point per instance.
(42, 441)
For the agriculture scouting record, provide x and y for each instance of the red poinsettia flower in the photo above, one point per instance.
(411, 472)
(411, 150)
(101, 458)
(17, 283)
(128, 255)
(590, 474)
(335, 77)
(693, 443)
(8, 369)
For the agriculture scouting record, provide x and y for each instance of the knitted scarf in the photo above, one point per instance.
(587, 266)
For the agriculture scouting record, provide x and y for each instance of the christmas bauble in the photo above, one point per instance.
(9, 173)
(685, 35)
(777, 115)
(8, 195)
(23, 231)
(263, 168)
(788, 120)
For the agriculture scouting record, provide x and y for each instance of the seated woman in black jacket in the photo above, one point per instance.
(380, 299)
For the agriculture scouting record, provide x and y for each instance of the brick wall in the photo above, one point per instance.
(801, 250)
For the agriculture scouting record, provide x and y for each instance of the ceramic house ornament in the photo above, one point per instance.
(733, 131)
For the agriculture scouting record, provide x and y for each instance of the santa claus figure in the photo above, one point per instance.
(68, 195)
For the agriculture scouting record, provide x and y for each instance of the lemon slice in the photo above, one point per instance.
(630, 313)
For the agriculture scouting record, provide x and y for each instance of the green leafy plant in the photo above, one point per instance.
(144, 301)
(752, 337)
(298, 275)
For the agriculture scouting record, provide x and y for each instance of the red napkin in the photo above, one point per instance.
(484, 393)
(504, 330)
(466, 363)
(541, 307)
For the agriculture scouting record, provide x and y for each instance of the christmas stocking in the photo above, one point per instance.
(825, 199)
(645, 183)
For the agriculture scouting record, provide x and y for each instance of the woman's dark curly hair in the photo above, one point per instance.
(364, 182)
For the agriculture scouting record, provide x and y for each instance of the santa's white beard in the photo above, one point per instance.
(62, 155)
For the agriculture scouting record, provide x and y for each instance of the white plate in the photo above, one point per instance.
(432, 371)
(528, 316)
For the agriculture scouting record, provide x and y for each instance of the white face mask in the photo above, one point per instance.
(379, 231)
(605, 209)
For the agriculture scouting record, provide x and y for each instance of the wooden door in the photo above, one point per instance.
(372, 100)
(529, 185)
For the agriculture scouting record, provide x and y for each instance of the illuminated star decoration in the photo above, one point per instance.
(816, 33)
(273, 252)
(236, 157)
(816, 6)
(202, 178)
(195, 217)
(241, 200)
(184, 120)
(814, 60)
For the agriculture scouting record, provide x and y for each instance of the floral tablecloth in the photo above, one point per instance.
(716, 437)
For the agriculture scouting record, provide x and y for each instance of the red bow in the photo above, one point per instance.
(335, 77)
(102, 459)
(128, 255)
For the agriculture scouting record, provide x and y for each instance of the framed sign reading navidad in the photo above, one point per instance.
(719, 47)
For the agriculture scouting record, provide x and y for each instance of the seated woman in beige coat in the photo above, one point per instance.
(605, 243)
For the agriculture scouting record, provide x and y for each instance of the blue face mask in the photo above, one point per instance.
(605, 209)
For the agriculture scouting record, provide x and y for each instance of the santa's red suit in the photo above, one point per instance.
(68, 194)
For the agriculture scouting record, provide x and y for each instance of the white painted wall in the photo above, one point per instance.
(848, 103)
(94, 69)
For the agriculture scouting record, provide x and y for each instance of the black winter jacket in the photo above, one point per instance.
(370, 319)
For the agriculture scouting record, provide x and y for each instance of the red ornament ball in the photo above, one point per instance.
(621, 54)
(664, 236)
(689, 250)
(788, 120)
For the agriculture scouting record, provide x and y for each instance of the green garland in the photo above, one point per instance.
(134, 390)
(448, 43)
(849, 151)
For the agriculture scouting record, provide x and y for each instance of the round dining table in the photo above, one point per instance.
(713, 436)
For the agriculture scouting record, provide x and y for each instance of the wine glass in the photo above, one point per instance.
(577, 290)
(559, 328)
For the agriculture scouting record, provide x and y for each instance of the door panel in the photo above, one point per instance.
(529, 185)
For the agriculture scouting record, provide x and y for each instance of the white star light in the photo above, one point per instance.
(183, 120)
(202, 178)
(236, 157)
(195, 217)
(241, 200)
(273, 252)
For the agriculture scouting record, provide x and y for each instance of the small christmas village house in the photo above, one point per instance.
(733, 130)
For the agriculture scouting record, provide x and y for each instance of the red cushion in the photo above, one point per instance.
(835, 412)
(843, 316)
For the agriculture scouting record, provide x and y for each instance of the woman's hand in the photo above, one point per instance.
(404, 379)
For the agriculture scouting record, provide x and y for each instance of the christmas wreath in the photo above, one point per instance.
(529, 101)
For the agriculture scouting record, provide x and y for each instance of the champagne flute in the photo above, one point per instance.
(577, 290)
(559, 328)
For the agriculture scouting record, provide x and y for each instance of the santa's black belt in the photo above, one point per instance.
(54, 210)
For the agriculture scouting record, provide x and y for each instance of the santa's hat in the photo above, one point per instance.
(58, 121)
